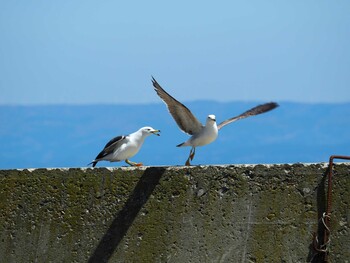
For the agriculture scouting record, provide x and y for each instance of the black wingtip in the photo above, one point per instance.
(93, 163)
(274, 104)
(268, 106)
(153, 80)
(155, 84)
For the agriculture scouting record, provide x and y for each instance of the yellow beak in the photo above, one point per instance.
(156, 132)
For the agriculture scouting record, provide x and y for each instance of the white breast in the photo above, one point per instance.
(128, 149)
(206, 136)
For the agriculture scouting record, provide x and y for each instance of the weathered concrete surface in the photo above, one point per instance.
(247, 213)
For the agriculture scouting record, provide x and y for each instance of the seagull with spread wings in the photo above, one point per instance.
(123, 147)
(188, 123)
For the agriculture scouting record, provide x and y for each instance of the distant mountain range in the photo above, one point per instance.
(71, 136)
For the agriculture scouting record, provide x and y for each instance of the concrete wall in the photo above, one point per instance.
(253, 213)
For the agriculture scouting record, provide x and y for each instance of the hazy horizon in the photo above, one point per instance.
(72, 135)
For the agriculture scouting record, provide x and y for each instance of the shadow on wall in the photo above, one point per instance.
(127, 215)
(314, 256)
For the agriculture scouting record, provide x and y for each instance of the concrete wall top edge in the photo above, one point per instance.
(178, 167)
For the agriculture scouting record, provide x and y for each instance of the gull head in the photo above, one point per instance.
(211, 119)
(149, 130)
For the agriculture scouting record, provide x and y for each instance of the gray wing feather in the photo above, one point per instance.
(252, 112)
(111, 146)
(184, 118)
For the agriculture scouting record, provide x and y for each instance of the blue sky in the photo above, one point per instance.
(82, 52)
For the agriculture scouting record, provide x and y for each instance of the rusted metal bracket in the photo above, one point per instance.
(326, 216)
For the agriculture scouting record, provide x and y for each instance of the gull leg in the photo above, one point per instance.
(193, 152)
(133, 163)
(190, 157)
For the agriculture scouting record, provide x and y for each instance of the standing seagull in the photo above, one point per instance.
(188, 123)
(124, 147)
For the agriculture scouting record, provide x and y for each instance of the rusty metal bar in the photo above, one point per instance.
(326, 217)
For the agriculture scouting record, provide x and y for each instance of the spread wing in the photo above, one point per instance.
(254, 111)
(111, 146)
(184, 118)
